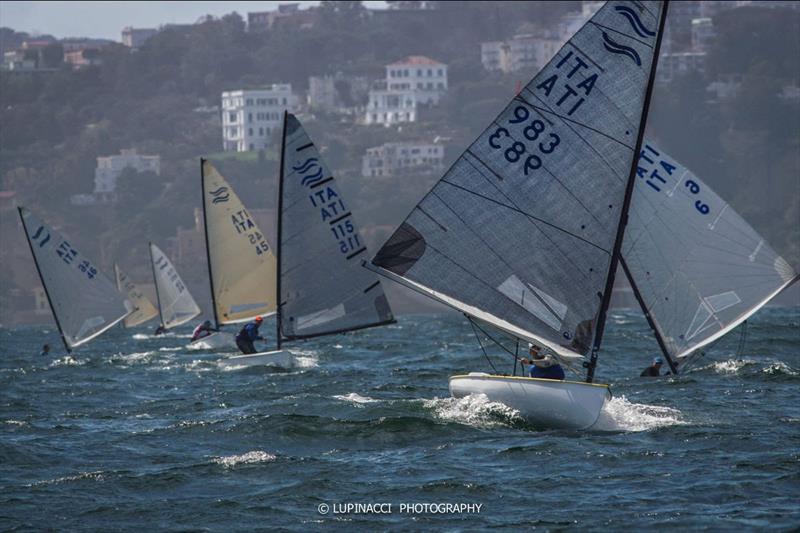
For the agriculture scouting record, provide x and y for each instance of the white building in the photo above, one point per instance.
(109, 169)
(251, 117)
(703, 34)
(136, 37)
(413, 81)
(402, 158)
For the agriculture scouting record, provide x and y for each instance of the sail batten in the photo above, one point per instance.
(84, 302)
(524, 225)
(323, 289)
(242, 267)
(175, 304)
(700, 268)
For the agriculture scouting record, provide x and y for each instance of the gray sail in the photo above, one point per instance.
(323, 288)
(699, 267)
(85, 303)
(175, 304)
(520, 230)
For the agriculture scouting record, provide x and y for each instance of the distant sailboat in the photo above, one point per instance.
(175, 305)
(144, 309)
(83, 300)
(321, 286)
(241, 266)
(697, 268)
(524, 231)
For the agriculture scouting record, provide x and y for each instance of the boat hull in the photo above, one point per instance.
(215, 341)
(543, 402)
(277, 358)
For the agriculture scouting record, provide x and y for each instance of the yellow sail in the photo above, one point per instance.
(241, 263)
(145, 310)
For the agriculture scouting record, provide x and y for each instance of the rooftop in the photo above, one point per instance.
(415, 60)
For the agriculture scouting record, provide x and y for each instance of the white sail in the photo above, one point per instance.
(242, 266)
(699, 267)
(144, 309)
(175, 305)
(524, 225)
(84, 302)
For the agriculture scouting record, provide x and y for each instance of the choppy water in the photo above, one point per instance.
(137, 433)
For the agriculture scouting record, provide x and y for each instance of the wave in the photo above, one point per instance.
(780, 368)
(355, 398)
(68, 360)
(738, 366)
(619, 414)
(96, 476)
(473, 410)
(253, 457)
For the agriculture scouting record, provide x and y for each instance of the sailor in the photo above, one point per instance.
(203, 330)
(45, 350)
(543, 366)
(248, 334)
(653, 370)
(160, 330)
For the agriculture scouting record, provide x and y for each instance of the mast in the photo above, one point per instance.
(44, 285)
(623, 218)
(280, 235)
(208, 251)
(155, 281)
(661, 344)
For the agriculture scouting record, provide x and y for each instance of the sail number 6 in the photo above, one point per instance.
(532, 132)
(694, 188)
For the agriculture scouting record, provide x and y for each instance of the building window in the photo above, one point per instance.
(231, 117)
(249, 117)
(261, 131)
(440, 72)
(250, 131)
(252, 147)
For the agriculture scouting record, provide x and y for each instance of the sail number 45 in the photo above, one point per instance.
(535, 132)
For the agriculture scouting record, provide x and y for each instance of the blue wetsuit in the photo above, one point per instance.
(246, 336)
(551, 372)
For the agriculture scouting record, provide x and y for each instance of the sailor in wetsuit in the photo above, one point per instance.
(654, 370)
(248, 334)
(543, 366)
(203, 330)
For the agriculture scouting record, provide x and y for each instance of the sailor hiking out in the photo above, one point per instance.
(543, 366)
(203, 330)
(248, 334)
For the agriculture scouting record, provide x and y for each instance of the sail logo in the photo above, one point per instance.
(635, 21)
(220, 195)
(38, 234)
(616, 48)
(311, 170)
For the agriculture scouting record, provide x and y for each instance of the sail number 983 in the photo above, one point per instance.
(535, 132)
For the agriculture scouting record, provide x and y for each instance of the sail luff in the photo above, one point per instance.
(279, 233)
(653, 327)
(44, 285)
(208, 250)
(155, 282)
(623, 218)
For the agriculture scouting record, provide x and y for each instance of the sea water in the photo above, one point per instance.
(138, 433)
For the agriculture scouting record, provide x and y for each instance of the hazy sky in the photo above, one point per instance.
(106, 19)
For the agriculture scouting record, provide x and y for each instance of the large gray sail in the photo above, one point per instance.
(520, 230)
(699, 268)
(323, 288)
(85, 303)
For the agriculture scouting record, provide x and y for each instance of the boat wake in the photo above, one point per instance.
(621, 415)
(473, 410)
(68, 360)
(253, 457)
(355, 398)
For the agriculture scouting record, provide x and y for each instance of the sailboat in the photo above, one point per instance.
(241, 265)
(524, 231)
(83, 300)
(697, 268)
(175, 304)
(144, 309)
(320, 284)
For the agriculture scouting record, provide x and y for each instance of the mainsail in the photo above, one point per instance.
(521, 230)
(144, 308)
(175, 305)
(84, 302)
(698, 267)
(242, 267)
(322, 287)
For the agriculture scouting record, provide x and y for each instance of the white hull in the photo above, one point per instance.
(544, 402)
(278, 358)
(215, 341)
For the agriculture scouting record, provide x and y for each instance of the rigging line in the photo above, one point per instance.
(521, 212)
(742, 340)
(498, 343)
(631, 37)
(481, 344)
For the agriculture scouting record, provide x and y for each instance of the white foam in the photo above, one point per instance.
(731, 366)
(255, 456)
(167, 349)
(16, 422)
(97, 476)
(779, 367)
(68, 360)
(473, 410)
(621, 415)
(355, 398)
(305, 361)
